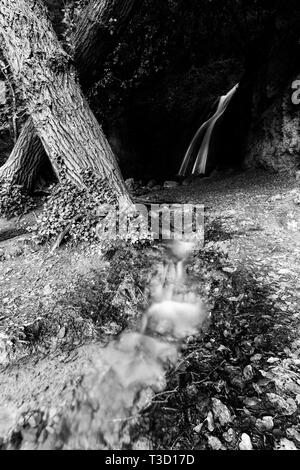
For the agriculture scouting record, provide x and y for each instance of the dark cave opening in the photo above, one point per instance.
(151, 143)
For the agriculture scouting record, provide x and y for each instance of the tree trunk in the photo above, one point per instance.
(62, 119)
(98, 31)
(93, 27)
(26, 159)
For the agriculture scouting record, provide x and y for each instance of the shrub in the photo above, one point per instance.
(69, 205)
(14, 200)
(76, 211)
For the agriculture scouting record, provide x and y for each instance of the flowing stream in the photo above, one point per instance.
(203, 138)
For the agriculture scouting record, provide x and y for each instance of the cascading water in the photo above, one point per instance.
(195, 163)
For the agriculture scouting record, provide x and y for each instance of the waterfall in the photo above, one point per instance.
(203, 138)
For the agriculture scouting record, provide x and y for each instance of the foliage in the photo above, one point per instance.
(169, 38)
(86, 213)
(77, 207)
(71, 12)
(14, 200)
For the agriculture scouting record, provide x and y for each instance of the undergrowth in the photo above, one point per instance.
(87, 214)
(14, 200)
(73, 207)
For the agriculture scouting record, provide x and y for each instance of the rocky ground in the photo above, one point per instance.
(235, 386)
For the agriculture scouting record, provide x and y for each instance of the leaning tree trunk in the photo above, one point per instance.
(92, 41)
(97, 33)
(62, 119)
(26, 159)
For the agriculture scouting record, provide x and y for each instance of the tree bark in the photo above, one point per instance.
(92, 45)
(62, 119)
(99, 29)
(23, 163)
(26, 159)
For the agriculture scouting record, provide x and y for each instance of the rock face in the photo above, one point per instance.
(275, 142)
(271, 73)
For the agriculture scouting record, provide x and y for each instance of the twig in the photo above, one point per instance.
(166, 392)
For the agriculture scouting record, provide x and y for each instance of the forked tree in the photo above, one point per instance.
(61, 123)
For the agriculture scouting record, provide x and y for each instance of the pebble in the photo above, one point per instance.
(245, 443)
(197, 429)
(210, 422)
(256, 358)
(273, 360)
(229, 270)
(221, 412)
(285, 444)
(294, 434)
(251, 402)
(265, 424)
(215, 443)
(62, 332)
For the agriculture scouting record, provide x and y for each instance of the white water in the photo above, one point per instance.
(205, 132)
